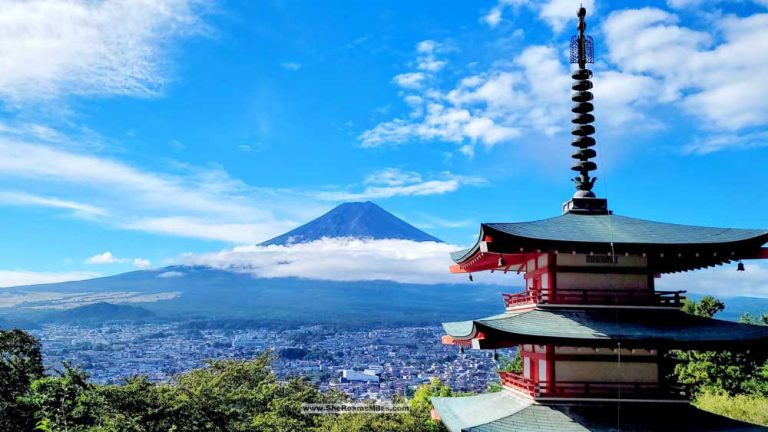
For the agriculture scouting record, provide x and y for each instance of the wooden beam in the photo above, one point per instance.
(761, 254)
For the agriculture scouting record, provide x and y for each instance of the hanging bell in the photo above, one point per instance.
(740, 266)
(501, 261)
(495, 356)
(461, 350)
(471, 279)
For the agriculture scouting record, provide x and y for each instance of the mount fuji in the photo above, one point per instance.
(355, 219)
(202, 292)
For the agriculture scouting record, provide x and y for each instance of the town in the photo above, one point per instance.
(369, 364)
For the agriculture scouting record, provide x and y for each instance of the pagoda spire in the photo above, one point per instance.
(582, 110)
(582, 52)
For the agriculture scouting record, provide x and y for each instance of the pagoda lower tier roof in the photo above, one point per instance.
(504, 411)
(602, 234)
(601, 327)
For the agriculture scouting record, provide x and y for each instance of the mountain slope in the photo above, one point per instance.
(359, 219)
(100, 312)
(206, 293)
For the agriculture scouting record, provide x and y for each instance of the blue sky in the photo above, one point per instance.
(136, 133)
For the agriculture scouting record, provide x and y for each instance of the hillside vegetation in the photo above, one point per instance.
(237, 395)
(227, 395)
(731, 384)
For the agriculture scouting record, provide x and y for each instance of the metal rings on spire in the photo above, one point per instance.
(582, 52)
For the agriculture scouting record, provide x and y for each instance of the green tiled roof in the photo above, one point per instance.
(505, 412)
(458, 413)
(581, 230)
(621, 229)
(592, 325)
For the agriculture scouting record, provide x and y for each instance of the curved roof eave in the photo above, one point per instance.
(584, 231)
(595, 326)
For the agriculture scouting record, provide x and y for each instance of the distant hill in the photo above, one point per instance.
(10, 322)
(99, 312)
(735, 307)
(358, 219)
(200, 292)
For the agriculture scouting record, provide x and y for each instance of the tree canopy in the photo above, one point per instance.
(224, 396)
(726, 372)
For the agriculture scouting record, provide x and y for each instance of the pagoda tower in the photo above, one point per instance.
(590, 326)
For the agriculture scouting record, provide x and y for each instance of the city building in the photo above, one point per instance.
(592, 331)
(349, 375)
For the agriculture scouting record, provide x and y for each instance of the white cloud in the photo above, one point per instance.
(556, 13)
(51, 48)
(192, 227)
(690, 4)
(413, 100)
(392, 182)
(427, 221)
(105, 258)
(721, 80)
(722, 281)
(393, 177)
(108, 258)
(198, 203)
(24, 199)
(410, 80)
(427, 61)
(487, 108)
(10, 278)
(171, 274)
(440, 122)
(427, 64)
(141, 263)
(49, 163)
(681, 4)
(624, 98)
(493, 18)
(717, 142)
(339, 259)
(427, 46)
(291, 66)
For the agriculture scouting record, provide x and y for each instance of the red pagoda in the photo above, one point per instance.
(591, 329)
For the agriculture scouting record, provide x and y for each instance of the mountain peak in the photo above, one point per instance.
(353, 219)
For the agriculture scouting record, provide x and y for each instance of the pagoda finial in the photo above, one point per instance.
(583, 52)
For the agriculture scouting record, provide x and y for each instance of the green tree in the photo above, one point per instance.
(138, 405)
(421, 401)
(224, 396)
(20, 364)
(746, 318)
(65, 402)
(723, 371)
(507, 363)
(417, 419)
(707, 307)
(511, 364)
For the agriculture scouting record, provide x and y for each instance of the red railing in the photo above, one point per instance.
(517, 382)
(670, 298)
(587, 389)
(595, 296)
(521, 298)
